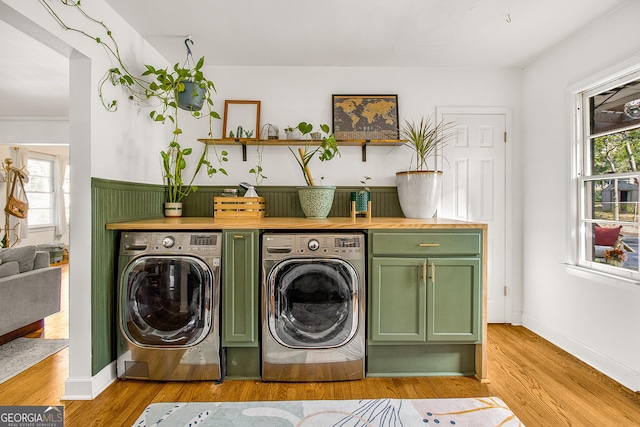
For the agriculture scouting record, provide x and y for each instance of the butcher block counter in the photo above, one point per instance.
(333, 223)
(441, 333)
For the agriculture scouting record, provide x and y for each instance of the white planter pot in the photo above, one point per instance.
(316, 200)
(418, 192)
(172, 209)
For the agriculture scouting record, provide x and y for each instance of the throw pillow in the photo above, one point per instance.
(607, 236)
(9, 269)
(25, 256)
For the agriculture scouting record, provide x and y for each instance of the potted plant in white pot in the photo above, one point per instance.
(174, 162)
(420, 186)
(315, 200)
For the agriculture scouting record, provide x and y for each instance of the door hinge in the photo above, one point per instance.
(505, 291)
(505, 137)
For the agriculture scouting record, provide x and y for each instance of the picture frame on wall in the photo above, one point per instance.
(241, 116)
(367, 117)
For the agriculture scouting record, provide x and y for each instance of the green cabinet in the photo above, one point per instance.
(425, 301)
(453, 300)
(240, 288)
(398, 306)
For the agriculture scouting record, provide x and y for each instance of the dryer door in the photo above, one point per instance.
(313, 302)
(165, 301)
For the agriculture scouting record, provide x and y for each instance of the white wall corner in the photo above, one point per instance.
(88, 388)
(609, 367)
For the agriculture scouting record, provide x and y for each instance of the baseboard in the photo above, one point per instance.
(88, 388)
(614, 370)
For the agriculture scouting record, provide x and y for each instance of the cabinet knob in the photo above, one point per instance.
(238, 236)
(429, 245)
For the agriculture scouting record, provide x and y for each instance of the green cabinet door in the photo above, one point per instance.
(397, 309)
(453, 299)
(240, 288)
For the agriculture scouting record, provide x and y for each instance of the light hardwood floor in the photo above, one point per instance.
(542, 384)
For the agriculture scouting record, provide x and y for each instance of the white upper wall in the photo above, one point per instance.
(290, 95)
(587, 316)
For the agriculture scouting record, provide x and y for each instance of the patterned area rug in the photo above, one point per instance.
(22, 353)
(481, 412)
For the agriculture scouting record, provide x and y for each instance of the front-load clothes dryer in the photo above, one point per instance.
(313, 306)
(169, 297)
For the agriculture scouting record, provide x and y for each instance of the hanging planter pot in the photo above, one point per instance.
(418, 192)
(172, 209)
(316, 200)
(192, 97)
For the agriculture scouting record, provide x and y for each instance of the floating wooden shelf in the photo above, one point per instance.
(297, 142)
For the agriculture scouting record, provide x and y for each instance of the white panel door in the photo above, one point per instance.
(474, 189)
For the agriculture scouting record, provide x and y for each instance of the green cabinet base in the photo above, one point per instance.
(243, 363)
(420, 360)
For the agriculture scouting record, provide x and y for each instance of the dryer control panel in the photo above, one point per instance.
(346, 245)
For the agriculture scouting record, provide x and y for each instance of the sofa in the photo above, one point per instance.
(29, 290)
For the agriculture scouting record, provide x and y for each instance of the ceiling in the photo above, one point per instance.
(381, 33)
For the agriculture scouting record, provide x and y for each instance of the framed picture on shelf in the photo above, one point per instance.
(369, 117)
(241, 119)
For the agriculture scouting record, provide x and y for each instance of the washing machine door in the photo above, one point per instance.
(166, 300)
(313, 302)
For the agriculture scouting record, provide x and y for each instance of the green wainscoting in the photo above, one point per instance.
(283, 201)
(117, 201)
(112, 201)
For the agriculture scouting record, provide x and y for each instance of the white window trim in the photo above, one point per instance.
(574, 237)
(50, 158)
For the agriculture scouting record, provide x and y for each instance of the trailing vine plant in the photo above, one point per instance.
(160, 93)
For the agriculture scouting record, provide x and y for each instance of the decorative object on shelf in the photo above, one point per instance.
(361, 200)
(272, 131)
(244, 116)
(316, 201)
(368, 117)
(292, 133)
(615, 257)
(420, 187)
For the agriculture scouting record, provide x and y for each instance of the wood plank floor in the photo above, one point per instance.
(542, 384)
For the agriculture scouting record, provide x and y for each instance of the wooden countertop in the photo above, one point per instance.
(333, 223)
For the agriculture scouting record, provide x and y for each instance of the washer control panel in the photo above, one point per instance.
(347, 245)
(201, 243)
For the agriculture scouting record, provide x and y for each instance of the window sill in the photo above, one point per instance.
(602, 277)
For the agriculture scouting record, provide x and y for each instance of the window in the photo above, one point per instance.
(40, 190)
(608, 177)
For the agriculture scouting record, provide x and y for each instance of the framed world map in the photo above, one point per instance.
(369, 117)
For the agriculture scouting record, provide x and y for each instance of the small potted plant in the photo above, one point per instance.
(316, 200)
(360, 199)
(419, 187)
(174, 162)
(615, 257)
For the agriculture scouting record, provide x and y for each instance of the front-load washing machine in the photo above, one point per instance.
(169, 297)
(313, 306)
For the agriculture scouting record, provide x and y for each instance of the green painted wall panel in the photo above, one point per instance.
(112, 201)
